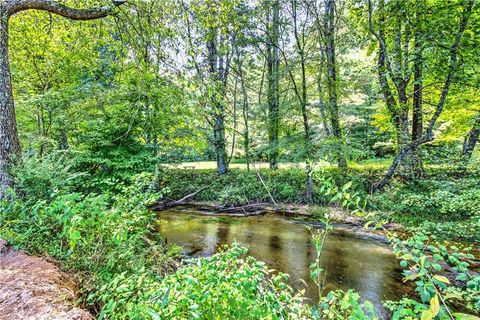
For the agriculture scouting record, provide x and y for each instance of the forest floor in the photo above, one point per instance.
(34, 288)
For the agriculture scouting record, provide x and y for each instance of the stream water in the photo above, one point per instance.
(352, 258)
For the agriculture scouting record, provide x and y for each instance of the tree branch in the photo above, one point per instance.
(62, 10)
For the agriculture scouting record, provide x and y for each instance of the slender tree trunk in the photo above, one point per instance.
(63, 143)
(41, 131)
(321, 101)
(273, 85)
(403, 131)
(469, 142)
(382, 63)
(245, 110)
(417, 111)
(332, 82)
(9, 141)
(219, 107)
(219, 140)
(235, 122)
(301, 94)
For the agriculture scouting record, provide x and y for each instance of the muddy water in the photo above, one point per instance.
(352, 259)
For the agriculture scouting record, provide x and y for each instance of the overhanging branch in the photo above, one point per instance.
(62, 10)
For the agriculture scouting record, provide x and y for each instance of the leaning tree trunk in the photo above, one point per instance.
(469, 143)
(9, 141)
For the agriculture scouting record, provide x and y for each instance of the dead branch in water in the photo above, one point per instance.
(164, 204)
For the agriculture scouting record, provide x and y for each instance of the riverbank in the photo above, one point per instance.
(125, 268)
(312, 213)
(34, 288)
(443, 202)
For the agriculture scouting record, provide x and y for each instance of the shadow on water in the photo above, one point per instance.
(351, 259)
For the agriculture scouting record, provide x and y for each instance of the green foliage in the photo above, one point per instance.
(448, 199)
(466, 229)
(439, 204)
(96, 235)
(441, 275)
(109, 240)
(227, 285)
(120, 95)
(346, 305)
(241, 186)
(44, 178)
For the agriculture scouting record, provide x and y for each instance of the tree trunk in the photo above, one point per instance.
(235, 122)
(417, 112)
(302, 98)
(9, 141)
(403, 131)
(245, 110)
(218, 104)
(428, 136)
(321, 102)
(332, 82)
(273, 85)
(309, 183)
(219, 141)
(63, 143)
(470, 141)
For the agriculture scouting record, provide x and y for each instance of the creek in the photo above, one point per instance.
(352, 258)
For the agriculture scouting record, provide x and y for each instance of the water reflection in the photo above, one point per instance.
(350, 260)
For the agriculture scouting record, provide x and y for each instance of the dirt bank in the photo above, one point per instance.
(33, 288)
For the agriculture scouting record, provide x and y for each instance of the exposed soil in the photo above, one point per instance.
(33, 288)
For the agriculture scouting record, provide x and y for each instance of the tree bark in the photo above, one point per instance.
(470, 142)
(9, 140)
(321, 101)
(273, 64)
(63, 141)
(302, 99)
(332, 82)
(15, 6)
(245, 111)
(417, 111)
(217, 76)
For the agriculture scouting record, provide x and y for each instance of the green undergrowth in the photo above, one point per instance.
(96, 236)
(448, 207)
(126, 271)
(239, 186)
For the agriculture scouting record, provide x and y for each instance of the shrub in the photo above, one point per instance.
(98, 236)
(241, 186)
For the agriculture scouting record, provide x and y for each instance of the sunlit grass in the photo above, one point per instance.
(200, 165)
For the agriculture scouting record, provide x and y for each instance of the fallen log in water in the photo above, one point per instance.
(164, 204)
(214, 209)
